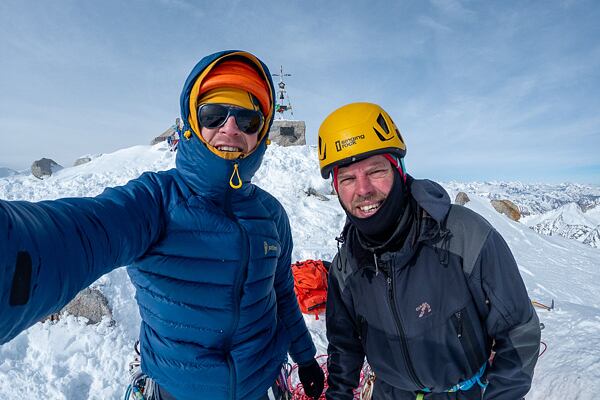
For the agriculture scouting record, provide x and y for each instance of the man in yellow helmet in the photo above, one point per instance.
(424, 289)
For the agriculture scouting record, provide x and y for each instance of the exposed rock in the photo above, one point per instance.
(461, 199)
(593, 238)
(90, 303)
(288, 133)
(588, 203)
(82, 160)
(312, 192)
(558, 226)
(44, 168)
(507, 208)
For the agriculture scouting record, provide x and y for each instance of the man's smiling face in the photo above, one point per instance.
(364, 185)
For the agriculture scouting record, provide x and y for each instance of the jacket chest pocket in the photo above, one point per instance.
(466, 330)
(427, 295)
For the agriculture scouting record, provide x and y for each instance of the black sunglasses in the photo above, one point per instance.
(213, 116)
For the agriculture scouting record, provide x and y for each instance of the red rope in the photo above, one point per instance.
(298, 391)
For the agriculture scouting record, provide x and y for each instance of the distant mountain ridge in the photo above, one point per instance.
(4, 172)
(568, 221)
(534, 199)
(569, 210)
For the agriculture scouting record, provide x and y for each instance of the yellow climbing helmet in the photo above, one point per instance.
(356, 131)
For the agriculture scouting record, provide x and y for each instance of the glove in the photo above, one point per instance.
(312, 378)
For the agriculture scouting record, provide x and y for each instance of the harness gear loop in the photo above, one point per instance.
(236, 175)
(366, 393)
(141, 386)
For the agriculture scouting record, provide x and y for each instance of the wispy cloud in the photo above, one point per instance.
(475, 87)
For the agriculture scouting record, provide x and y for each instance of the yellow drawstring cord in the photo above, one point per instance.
(187, 134)
(236, 173)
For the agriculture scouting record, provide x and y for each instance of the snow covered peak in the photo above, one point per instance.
(568, 221)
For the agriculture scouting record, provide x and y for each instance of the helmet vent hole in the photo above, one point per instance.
(383, 124)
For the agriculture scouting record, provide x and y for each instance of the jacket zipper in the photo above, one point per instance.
(464, 334)
(237, 291)
(459, 320)
(403, 344)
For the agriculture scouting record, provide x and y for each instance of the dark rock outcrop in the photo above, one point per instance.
(90, 303)
(45, 167)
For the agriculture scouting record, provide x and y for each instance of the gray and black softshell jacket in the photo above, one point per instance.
(428, 315)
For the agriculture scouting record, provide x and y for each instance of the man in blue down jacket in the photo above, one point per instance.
(424, 289)
(208, 252)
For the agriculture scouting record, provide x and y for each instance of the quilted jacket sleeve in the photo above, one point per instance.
(302, 350)
(50, 250)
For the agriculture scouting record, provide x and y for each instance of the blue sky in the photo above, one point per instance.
(481, 90)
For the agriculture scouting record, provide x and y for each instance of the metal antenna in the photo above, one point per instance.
(282, 97)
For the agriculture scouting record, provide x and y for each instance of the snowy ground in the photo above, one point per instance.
(70, 360)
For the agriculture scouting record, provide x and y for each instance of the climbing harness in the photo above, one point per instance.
(464, 385)
(367, 384)
(283, 383)
(141, 386)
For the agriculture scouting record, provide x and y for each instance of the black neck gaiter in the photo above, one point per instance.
(378, 228)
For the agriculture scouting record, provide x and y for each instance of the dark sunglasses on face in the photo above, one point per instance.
(213, 116)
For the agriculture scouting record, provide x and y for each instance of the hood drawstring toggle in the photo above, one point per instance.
(235, 175)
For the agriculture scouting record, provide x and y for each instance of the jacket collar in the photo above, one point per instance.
(210, 175)
(430, 205)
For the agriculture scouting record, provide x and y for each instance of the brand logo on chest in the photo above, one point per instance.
(423, 310)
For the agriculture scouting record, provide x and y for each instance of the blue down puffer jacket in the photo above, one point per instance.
(210, 264)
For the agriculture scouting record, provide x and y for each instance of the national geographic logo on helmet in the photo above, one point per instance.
(342, 144)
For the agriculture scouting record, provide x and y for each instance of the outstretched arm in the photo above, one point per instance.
(302, 348)
(51, 250)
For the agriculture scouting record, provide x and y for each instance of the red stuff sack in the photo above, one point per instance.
(310, 285)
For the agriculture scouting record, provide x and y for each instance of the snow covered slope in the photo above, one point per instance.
(69, 360)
